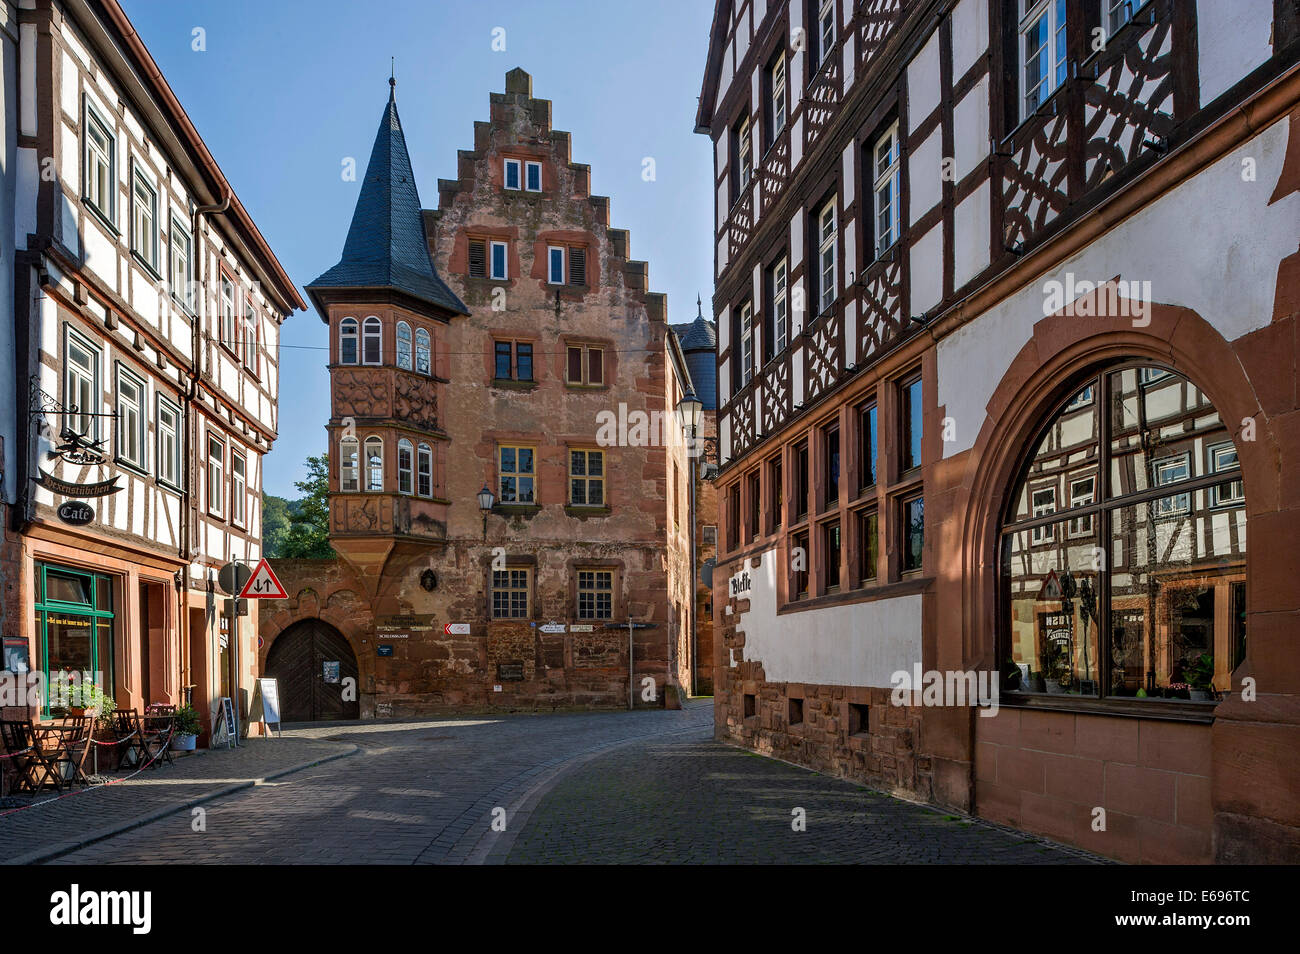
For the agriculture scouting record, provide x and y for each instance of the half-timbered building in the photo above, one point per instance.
(1006, 304)
(145, 369)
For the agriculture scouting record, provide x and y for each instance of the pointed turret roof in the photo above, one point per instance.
(387, 248)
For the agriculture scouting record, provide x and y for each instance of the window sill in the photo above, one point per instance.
(867, 594)
(131, 466)
(105, 218)
(586, 387)
(146, 265)
(510, 384)
(516, 509)
(579, 510)
(1172, 710)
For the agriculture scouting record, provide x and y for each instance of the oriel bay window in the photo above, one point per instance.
(587, 478)
(595, 594)
(349, 465)
(517, 471)
(1137, 590)
(424, 471)
(422, 352)
(348, 341)
(372, 349)
(374, 464)
(404, 346)
(74, 627)
(405, 466)
(512, 590)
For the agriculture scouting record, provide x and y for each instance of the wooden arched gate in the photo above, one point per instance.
(314, 665)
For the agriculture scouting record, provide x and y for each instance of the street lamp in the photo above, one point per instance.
(485, 501)
(689, 409)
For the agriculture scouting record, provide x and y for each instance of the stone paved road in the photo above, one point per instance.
(615, 787)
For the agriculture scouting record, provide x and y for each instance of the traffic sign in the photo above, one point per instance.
(456, 629)
(263, 584)
(232, 577)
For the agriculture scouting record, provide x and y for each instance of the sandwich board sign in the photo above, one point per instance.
(263, 584)
(223, 725)
(266, 705)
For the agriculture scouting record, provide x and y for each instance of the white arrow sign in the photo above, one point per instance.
(456, 629)
(552, 627)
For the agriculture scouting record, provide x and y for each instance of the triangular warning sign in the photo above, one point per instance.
(1050, 590)
(263, 584)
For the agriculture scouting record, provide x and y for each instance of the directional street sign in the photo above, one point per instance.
(456, 629)
(552, 627)
(263, 584)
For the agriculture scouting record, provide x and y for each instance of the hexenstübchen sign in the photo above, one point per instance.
(66, 488)
(76, 513)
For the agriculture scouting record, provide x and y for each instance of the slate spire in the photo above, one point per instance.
(386, 247)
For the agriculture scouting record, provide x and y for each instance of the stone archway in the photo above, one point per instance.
(315, 667)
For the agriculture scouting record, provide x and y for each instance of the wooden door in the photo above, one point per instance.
(297, 660)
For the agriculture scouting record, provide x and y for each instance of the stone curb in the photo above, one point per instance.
(48, 854)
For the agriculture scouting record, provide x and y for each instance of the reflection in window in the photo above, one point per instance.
(1138, 592)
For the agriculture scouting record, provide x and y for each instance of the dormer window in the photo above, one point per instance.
(512, 172)
(533, 176)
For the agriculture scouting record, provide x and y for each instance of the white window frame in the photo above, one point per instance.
(424, 471)
(238, 488)
(96, 157)
(249, 321)
(826, 28)
(372, 451)
(1054, 58)
(405, 352)
(77, 379)
(130, 419)
(777, 79)
(1176, 504)
(885, 189)
(405, 473)
(141, 230)
(1216, 453)
(551, 264)
(216, 472)
(744, 155)
(827, 255)
(180, 264)
(229, 331)
(1120, 12)
(493, 273)
(1045, 533)
(746, 343)
(169, 443)
(517, 167)
(349, 331)
(349, 465)
(372, 329)
(780, 306)
(1082, 526)
(529, 168)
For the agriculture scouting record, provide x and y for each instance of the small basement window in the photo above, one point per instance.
(859, 718)
(751, 705)
(796, 711)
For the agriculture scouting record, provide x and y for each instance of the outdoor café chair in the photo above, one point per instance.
(158, 735)
(30, 759)
(130, 737)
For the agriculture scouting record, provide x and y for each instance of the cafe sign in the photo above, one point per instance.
(75, 513)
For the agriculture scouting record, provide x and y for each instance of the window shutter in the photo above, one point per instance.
(577, 266)
(575, 365)
(477, 259)
(595, 366)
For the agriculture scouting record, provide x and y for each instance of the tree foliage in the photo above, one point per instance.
(306, 534)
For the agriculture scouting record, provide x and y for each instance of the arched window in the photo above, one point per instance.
(374, 464)
(404, 345)
(1124, 546)
(349, 476)
(405, 455)
(372, 351)
(422, 351)
(348, 341)
(425, 474)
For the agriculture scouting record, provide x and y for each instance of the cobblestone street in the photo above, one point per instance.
(647, 787)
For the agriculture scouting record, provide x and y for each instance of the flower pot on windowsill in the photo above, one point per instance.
(1200, 695)
(184, 743)
(1054, 687)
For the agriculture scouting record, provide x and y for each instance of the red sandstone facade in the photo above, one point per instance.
(910, 406)
(524, 375)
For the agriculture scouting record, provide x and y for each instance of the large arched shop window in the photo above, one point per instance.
(1124, 549)
(349, 476)
(348, 341)
(374, 464)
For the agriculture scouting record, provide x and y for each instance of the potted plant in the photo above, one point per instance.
(1200, 678)
(185, 729)
(1054, 659)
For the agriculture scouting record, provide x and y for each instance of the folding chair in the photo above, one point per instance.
(30, 759)
(158, 737)
(70, 746)
(130, 737)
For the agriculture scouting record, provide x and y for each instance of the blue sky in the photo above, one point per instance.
(286, 89)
